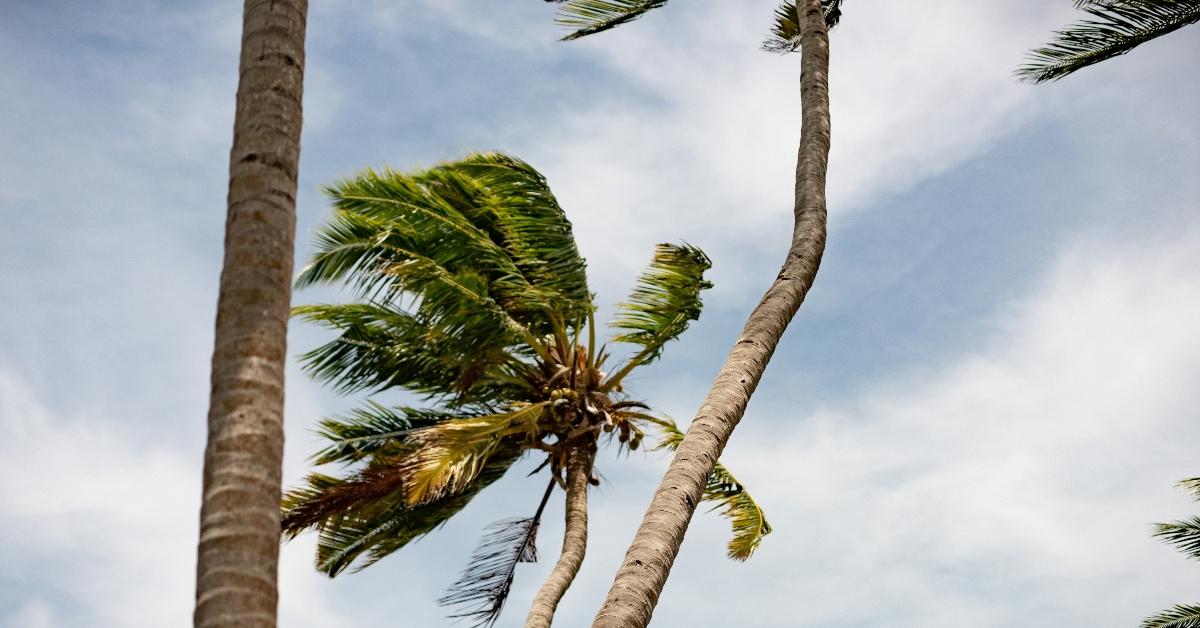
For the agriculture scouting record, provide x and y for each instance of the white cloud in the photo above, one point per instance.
(709, 150)
(1013, 486)
(35, 613)
(107, 527)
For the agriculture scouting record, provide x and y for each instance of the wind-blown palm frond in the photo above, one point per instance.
(344, 538)
(732, 499)
(462, 236)
(373, 430)
(785, 34)
(382, 346)
(1184, 535)
(1118, 27)
(588, 17)
(325, 498)
(456, 304)
(484, 586)
(407, 465)
(1181, 616)
(664, 302)
(532, 228)
(448, 456)
(735, 503)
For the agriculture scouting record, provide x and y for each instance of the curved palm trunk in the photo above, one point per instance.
(579, 469)
(641, 578)
(239, 519)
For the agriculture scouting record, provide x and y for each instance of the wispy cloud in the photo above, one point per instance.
(1009, 482)
(1006, 487)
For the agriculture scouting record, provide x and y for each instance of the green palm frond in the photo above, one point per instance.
(1184, 535)
(454, 301)
(664, 302)
(344, 538)
(1181, 616)
(1116, 27)
(1191, 485)
(464, 236)
(373, 430)
(588, 17)
(732, 499)
(532, 228)
(785, 34)
(382, 346)
(385, 220)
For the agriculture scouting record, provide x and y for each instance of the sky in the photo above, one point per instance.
(974, 420)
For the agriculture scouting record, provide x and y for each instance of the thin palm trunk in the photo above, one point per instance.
(239, 519)
(641, 578)
(579, 469)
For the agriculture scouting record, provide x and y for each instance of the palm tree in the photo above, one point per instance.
(799, 26)
(1117, 27)
(473, 295)
(1184, 535)
(238, 551)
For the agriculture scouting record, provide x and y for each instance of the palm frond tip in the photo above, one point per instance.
(1116, 27)
(732, 499)
(484, 586)
(1180, 616)
(665, 300)
(1183, 535)
(588, 17)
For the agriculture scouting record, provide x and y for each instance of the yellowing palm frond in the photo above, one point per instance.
(732, 499)
(448, 456)
(373, 534)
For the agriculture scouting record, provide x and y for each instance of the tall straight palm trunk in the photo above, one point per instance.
(641, 578)
(239, 519)
(579, 469)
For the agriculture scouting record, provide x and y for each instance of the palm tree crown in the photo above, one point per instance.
(1116, 27)
(473, 295)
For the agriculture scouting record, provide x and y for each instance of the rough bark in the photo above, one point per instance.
(238, 553)
(579, 469)
(640, 580)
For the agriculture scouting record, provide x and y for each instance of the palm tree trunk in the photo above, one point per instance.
(579, 469)
(641, 578)
(239, 518)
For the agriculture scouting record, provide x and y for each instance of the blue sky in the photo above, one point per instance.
(972, 422)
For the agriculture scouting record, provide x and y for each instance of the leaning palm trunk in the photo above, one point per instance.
(641, 578)
(579, 470)
(239, 519)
